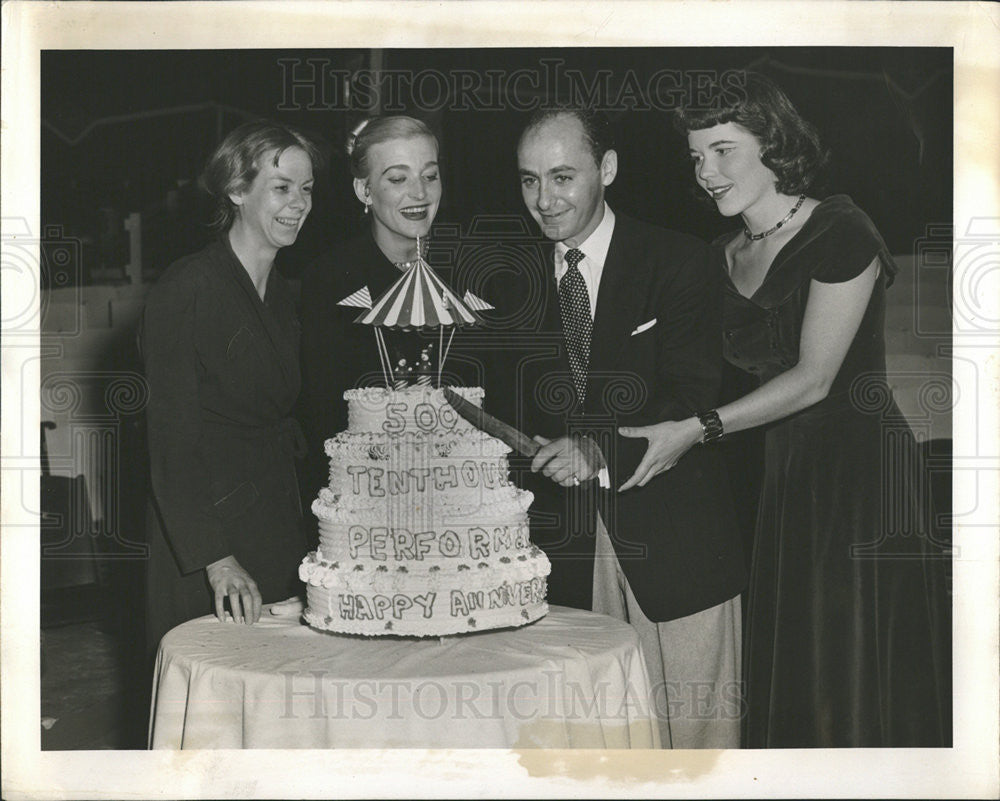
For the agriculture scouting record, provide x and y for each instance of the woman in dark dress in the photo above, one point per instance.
(394, 161)
(220, 346)
(848, 626)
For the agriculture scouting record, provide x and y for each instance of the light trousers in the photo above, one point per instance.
(693, 662)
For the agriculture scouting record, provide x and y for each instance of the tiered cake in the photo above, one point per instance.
(420, 530)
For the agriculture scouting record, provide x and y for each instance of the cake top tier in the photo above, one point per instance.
(415, 409)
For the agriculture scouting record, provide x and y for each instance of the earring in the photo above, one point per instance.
(368, 207)
(368, 201)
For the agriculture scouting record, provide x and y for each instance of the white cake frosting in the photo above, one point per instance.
(421, 532)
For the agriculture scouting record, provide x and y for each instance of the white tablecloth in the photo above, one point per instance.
(573, 679)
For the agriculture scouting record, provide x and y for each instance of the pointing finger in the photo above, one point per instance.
(640, 472)
(632, 481)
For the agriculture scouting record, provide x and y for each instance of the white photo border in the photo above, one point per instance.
(969, 769)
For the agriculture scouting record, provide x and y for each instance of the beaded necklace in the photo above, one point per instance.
(769, 231)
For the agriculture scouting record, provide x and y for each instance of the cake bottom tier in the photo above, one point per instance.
(425, 604)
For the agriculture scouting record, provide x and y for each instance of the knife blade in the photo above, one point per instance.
(486, 422)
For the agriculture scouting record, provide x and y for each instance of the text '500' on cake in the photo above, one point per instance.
(421, 532)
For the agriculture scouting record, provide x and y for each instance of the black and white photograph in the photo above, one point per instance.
(396, 409)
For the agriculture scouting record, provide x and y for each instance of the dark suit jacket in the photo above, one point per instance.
(223, 376)
(676, 538)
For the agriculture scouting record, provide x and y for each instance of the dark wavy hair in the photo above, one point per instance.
(596, 127)
(790, 146)
(234, 165)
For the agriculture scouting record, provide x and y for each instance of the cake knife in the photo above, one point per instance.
(517, 440)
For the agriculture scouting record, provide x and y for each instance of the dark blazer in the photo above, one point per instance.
(223, 376)
(676, 538)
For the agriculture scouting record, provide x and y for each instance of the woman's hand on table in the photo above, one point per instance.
(668, 442)
(228, 578)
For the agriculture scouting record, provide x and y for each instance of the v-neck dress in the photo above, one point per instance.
(223, 373)
(848, 621)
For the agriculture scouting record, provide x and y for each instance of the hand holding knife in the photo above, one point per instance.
(524, 444)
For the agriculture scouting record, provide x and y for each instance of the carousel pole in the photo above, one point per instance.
(383, 357)
(451, 336)
(440, 353)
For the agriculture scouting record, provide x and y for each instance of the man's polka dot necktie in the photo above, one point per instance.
(577, 323)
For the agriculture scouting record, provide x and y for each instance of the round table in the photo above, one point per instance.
(573, 679)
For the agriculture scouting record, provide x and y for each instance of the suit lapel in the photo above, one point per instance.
(281, 350)
(615, 299)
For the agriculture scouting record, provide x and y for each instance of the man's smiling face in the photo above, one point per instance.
(561, 182)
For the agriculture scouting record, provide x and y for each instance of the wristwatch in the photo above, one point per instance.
(711, 426)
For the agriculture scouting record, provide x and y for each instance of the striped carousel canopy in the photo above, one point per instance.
(420, 299)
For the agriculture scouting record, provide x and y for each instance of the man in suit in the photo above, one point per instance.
(631, 335)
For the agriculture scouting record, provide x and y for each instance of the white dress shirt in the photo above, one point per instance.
(595, 250)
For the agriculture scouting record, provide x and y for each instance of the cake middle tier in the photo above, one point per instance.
(435, 477)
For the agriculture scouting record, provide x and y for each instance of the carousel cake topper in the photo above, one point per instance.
(418, 300)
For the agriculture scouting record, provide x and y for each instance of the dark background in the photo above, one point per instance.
(127, 132)
(122, 129)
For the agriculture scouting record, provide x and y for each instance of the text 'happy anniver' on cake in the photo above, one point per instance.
(421, 532)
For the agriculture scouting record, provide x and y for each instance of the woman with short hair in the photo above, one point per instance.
(397, 181)
(220, 345)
